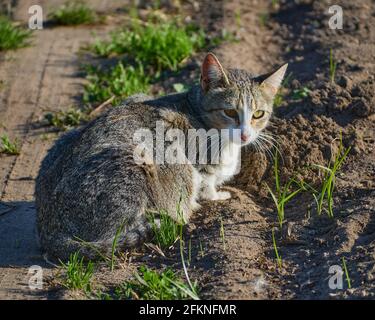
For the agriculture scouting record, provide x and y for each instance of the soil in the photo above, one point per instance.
(46, 76)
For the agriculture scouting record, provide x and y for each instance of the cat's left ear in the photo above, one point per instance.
(212, 73)
(272, 83)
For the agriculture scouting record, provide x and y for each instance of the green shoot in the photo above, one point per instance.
(301, 93)
(192, 291)
(165, 230)
(332, 67)
(179, 87)
(222, 233)
(9, 147)
(151, 285)
(64, 120)
(278, 257)
(329, 179)
(283, 194)
(346, 273)
(264, 18)
(114, 246)
(78, 274)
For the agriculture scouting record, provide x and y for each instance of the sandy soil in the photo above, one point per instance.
(46, 77)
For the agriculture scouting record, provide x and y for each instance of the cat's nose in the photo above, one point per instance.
(244, 137)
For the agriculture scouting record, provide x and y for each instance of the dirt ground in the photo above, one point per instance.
(46, 76)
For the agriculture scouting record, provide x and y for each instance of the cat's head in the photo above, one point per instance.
(233, 99)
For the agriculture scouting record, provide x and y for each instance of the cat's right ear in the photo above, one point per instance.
(212, 73)
(273, 81)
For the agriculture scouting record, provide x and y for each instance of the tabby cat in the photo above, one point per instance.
(90, 185)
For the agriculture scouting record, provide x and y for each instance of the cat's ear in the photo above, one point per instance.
(212, 73)
(273, 81)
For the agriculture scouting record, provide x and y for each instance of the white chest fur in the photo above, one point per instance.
(229, 162)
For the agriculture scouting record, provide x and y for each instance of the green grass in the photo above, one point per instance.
(278, 257)
(332, 66)
(168, 232)
(283, 194)
(301, 93)
(264, 17)
(180, 87)
(325, 194)
(120, 81)
(9, 147)
(157, 46)
(346, 273)
(151, 285)
(78, 274)
(64, 120)
(73, 13)
(11, 36)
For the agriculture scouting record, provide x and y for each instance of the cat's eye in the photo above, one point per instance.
(231, 113)
(258, 114)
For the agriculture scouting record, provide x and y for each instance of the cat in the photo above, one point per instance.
(90, 186)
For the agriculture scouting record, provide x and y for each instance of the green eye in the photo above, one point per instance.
(258, 114)
(232, 113)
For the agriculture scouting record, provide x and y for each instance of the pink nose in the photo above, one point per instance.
(244, 137)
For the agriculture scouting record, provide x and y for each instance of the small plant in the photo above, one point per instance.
(73, 13)
(152, 285)
(114, 247)
(78, 274)
(283, 194)
(329, 179)
(237, 16)
(179, 87)
(9, 147)
(301, 93)
(165, 230)
(222, 233)
(64, 120)
(332, 66)
(264, 18)
(11, 36)
(119, 81)
(346, 273)
(278, 257)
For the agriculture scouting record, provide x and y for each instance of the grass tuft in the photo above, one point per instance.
(325, 195)
(9, 147)
(11, 36)
(119, 81)
(165, 230)
(78, 275)
(152, 285)
(283, 194)
(157, 46)
(346, 273)
(73, 13)
(332, 66)
(278, 257)
(64, 120)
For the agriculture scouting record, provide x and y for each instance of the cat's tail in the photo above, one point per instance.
(63, 247)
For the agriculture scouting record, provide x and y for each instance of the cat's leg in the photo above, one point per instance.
(209, 191)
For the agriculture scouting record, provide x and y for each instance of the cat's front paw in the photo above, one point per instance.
(223, 195)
